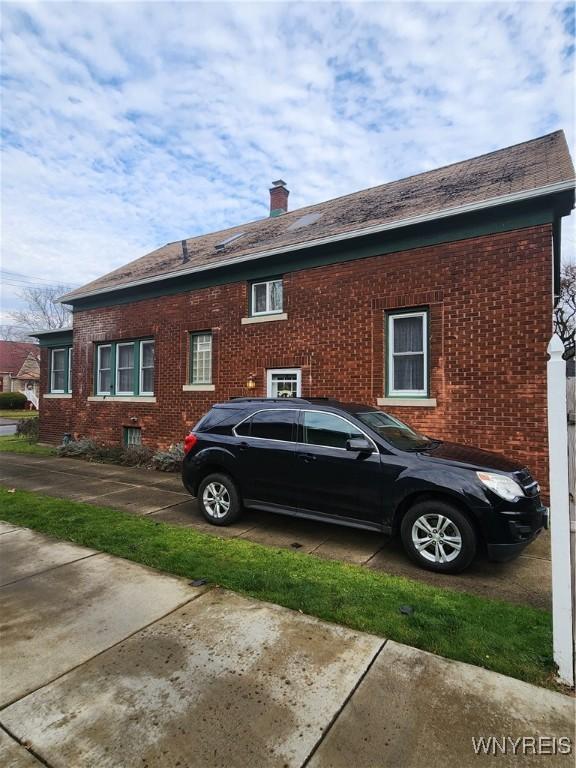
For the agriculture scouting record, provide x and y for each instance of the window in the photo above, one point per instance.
(125, 368)
(104, 384)
(266, 297)
(408, 354)
(58, 370)
(70, 369)
(146, 367)
(132, 437)
(201, 358)
(284, 382)
(328, 430)
(274, 425)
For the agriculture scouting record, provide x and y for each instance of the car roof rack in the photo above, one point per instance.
(268, 399)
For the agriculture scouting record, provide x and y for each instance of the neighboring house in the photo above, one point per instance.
(20, 369)
(430, 297)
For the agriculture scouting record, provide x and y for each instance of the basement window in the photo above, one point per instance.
(132, 437)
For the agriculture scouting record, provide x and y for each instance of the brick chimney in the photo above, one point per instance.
(278, 198)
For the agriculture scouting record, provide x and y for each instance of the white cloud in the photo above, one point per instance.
(132, 124)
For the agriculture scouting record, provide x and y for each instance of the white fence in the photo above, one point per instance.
(563, 623)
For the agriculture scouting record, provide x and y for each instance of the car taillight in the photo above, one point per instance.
(189, 442)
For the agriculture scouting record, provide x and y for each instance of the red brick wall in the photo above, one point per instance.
(490, 321)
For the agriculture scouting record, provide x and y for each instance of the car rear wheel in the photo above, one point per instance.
(438, 537)
(219, 500)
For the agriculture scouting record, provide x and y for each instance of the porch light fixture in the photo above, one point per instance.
(251, 383)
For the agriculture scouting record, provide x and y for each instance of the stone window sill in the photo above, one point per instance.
(264, 318)
(122, 399)
(57, 396)
(198, 388)
(411, 402)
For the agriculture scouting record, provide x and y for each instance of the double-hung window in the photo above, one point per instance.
(147, 367)
(407, 341)
(201, 358)
(104, 377)
(125, 368)
(266, 297)
(59, 373)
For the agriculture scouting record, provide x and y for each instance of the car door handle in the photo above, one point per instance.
(307, 457)
(243, 446)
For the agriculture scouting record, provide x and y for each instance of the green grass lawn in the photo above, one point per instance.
(8, 414)
(14, 444)
(512, 639)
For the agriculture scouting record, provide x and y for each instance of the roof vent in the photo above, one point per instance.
(221, 246)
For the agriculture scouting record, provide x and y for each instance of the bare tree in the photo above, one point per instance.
(13, 333)
(41, 309)
(565, 312)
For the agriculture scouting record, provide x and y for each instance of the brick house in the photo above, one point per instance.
(430, 297)
(20, 369)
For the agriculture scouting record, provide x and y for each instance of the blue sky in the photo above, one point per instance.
(127, 125)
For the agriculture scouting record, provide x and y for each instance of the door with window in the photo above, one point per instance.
(284, 382)
(265, 451)
(332, 480)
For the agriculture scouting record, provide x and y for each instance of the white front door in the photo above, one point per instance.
(284, 382)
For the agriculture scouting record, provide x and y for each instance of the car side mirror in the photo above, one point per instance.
(359, 444)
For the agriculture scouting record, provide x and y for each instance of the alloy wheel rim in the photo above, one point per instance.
(216, 500)
(436, 538)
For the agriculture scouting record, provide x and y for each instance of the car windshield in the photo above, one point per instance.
(394, 431)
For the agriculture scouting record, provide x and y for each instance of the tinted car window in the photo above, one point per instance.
(218, 421)
(328, 430)
(244, 429)
(273, 425)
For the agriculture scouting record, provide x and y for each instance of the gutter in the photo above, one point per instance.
(530, 194)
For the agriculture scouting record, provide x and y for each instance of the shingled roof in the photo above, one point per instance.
(533, 165)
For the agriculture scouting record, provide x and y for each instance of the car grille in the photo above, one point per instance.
(527, 482)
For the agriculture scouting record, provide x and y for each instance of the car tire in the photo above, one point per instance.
(438, 537)
(219, 499)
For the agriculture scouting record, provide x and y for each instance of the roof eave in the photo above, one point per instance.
(494, 202)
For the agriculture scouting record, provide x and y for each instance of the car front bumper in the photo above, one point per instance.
(521, 529)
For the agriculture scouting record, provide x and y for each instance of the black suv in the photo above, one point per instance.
(356, 465)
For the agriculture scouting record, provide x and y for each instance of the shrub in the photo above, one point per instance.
(28, 428)
(13, 401)
(83, 447)
(137, 456)
(170, 460)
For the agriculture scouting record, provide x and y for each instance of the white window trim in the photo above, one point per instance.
(407, 393)
(118, 391)
(53, 390)
(98, 369)
(142, 391)
(266, 311)
(195, 334)
(70, 369)
(271, 371)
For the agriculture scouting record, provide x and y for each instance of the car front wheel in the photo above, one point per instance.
(438, 537)
(219, 500)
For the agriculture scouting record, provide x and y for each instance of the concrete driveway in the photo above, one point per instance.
(525, 580)
(108, 664)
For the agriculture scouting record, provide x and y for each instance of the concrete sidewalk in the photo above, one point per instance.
(106, 663)
(526, 580)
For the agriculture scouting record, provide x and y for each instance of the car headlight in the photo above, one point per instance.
(501, 485)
